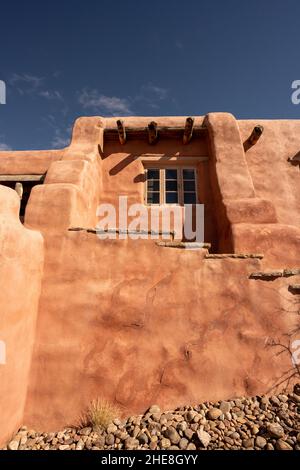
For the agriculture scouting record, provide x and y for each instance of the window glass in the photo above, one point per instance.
(153, 185)
(173, 192)
(188, 174)
(171, 185)
(153, 174)
(152, 198)
(171, 198)
(189, 185)
(189, 198)
(171, 174)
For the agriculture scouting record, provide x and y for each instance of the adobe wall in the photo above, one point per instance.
(21, 267)
(138, 323)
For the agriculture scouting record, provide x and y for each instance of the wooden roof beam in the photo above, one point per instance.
(152, 132)
(188, 130)
(121, 131)
(255, 134)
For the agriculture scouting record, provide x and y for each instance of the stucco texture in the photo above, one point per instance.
(131, 321)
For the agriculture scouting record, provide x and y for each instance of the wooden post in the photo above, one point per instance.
(255, 134)
(19, 189)
(121, 131)
(188, 130)
(152, 132)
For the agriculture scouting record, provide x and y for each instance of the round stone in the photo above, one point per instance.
(191, 446)
(282, 445)
(225, 406)
(155, 409)
(214, 413)
(172, 434)
(165, 443)
(143, 438)
(13, 445)
(275, 430)
(131, 443)
(183, 443)
(260, 442)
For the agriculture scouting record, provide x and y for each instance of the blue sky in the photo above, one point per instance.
(64, 59)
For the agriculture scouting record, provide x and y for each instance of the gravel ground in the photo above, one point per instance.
(261, 423)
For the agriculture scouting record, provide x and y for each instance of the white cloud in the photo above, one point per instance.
(4, 146)
(51, 95)
(26, 83)
(61, 139)
(92, 99)
(149, 91)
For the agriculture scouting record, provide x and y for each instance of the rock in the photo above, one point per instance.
(260, 442)
(282, 445)
(100, 442)
(225, 407)
(203, 437)
(275, 401)
(188, 433)
(110, 440)
(270, 446)
(190, 415)
(182, 426)
(254, 430)
(13, 445)
(131, 443)
(183, 443)
(173, 448)
(283, 398)
(214, 413)
(191, 446)
(156, 416)
(298, 437)
(165, 443)
(275, 430)
(297, 389)
(80, 445)
(248, 443)
(63, 447)
(111, 429)
(154, 409)
(172, 434)
(143, 438)
(84, 431)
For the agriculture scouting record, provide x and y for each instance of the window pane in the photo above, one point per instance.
(171, 185)
(153, 185)
(152, 174)
(188, 174)
(190, 198)
(189, 186)
(171, 174)
(152, 198)
(171, 198)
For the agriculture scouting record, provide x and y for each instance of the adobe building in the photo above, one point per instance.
(147, 321)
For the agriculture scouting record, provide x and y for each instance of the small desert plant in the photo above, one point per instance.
(101, 413)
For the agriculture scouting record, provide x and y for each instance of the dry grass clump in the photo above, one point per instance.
(101, 413)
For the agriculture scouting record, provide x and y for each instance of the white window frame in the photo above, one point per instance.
(162, 185)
